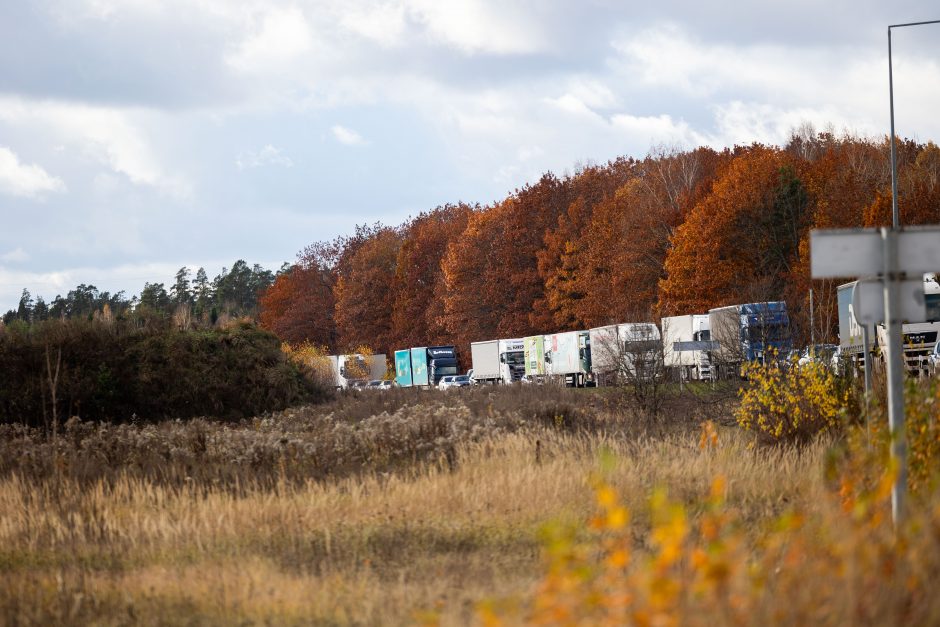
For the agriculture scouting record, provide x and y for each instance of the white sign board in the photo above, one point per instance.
(868, 301)
(858, 252)
(845, 253)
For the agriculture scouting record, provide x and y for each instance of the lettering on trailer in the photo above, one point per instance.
(514, 346)
(680, 347)
(924, 337)
(441, 352)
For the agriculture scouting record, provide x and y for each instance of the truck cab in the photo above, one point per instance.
(441, 362)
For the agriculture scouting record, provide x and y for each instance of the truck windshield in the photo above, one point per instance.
(768, 333)
(516, 359)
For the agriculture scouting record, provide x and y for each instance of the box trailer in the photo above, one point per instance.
(605, 354)
(568, 357)
(484, 357)
(534, 354)
(918, 338)
(425, 365)
(691, 365)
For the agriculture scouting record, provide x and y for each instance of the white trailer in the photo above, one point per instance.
(568, 357)
(690, 365)
(485, 359)
(642, 351)
(378, 366)
(606, 351)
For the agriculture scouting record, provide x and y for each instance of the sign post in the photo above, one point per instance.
(890, 255)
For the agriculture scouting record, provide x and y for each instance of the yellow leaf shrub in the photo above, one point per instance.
(790, 404)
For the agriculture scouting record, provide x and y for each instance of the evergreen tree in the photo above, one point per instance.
(24, 310)
(201, 292)
(40, 310)
(154, 297)
(180, 293)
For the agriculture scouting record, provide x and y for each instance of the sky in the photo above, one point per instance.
(140, 136)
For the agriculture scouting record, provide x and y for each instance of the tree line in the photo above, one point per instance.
(677, 232)
(232, 293)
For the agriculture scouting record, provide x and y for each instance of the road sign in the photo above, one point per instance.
(844, 253)
(680, 347)
(868, 301)
(859, 252)
(891, 254)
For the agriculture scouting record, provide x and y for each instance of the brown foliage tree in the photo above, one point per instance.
(491, 271)
(624, 246)
(918, 188)
(298, 307)
(364, 293)
(560, 259)
(419, 288)
(739, 243)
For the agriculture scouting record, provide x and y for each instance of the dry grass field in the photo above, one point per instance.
(464, 508)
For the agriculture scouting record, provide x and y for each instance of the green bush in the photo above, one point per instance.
(115, 373)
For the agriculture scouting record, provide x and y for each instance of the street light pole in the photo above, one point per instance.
(891, 277)
(895, 214)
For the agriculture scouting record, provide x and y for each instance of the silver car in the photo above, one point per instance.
(933, 360)
(453, 381)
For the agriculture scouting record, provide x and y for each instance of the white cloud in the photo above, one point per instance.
(347, 136)
(384, 24)
(17, 255)
(282, 36)
(477, 26)
(269, 155)
(26, 180)
(657, 129)
(105, 134)
(572, 104)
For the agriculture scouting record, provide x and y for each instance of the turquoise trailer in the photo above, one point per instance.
(403, 368)
(419, 366)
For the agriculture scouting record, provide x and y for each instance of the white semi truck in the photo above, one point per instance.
(356, 369)
(691, 365)
(498, 361)
(621, 352)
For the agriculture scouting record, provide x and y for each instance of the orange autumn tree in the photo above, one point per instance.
(625, 244)
(298, 307)
(490, 271)
(419, 281)
(560, 259)
(842, 175)
(740, 242)
(364, 292)
(918, 188)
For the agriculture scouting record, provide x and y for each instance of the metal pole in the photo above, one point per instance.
(866, 359)
(812, 328)
(895, 215)
(895, 373)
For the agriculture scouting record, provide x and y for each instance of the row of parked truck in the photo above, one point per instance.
(692, 347)
(609, 354)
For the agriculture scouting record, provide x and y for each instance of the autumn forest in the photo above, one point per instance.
(678, 232)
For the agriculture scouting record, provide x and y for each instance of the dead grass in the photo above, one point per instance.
(388, 544)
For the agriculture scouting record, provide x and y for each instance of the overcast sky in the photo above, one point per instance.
(139, 136)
